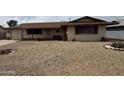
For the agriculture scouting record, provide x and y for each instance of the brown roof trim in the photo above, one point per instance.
(40, 27)
(93, 23)
(42, 23)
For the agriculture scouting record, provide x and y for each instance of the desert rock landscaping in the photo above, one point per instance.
(7, 51)
(61, 58)
(115, 46)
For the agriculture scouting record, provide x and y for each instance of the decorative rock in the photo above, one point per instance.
(7, 51)
(110, 47)
(107, 46)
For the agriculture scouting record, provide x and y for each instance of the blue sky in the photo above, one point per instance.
(28, 19)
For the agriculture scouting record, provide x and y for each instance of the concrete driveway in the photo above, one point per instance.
(4, 42)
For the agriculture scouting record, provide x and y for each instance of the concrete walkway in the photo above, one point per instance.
(4, 42)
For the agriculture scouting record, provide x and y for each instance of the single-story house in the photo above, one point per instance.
(82, 29)
(2, 32)
(115, 31)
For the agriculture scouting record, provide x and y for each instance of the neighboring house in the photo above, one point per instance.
(115, 31)
(2, 32)
(82, 29)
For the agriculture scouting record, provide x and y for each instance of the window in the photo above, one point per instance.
(86, 29)
(34, 31)
(57, 31)
(29, 31)
(37, 31)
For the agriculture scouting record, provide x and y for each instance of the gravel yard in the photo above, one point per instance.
(61, 58)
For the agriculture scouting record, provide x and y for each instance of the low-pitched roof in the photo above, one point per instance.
(42, 25)
(93, 21)
(88, 17)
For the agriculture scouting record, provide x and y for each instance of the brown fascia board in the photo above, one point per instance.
(35, 27)
(93, 23)
(42, 25)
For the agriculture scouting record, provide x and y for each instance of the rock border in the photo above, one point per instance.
(7, 51)
(108, 46)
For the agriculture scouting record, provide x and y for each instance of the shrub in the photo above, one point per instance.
(6, 51)
(117, 44)
(103, 39)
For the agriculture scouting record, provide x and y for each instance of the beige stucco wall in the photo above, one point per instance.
(22, 34)
(71, 33)
(16, 34)
(8, 34)
(86, 37)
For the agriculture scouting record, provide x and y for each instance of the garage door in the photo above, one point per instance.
(115, 34)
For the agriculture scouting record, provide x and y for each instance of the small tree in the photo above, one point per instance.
(12, 23)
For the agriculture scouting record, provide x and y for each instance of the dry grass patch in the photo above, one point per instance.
(61, 58)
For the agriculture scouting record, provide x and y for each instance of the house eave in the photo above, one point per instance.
(93, 23)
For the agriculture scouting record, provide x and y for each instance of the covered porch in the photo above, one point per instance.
(45, 34)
